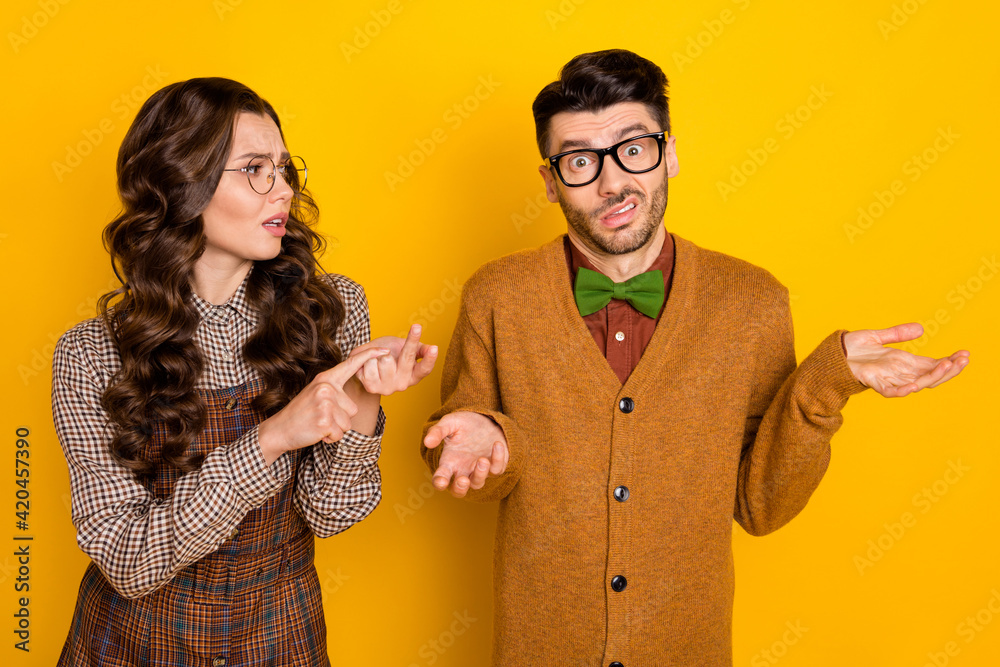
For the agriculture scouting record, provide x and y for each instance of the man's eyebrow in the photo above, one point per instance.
(623, 133)
(246, 156)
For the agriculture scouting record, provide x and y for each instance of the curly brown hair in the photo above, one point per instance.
(169, 166)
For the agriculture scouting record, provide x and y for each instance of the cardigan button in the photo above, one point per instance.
(626, 405)
(618, 583)
(621, 493)
(616, 664)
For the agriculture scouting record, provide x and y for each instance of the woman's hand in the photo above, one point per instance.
(320, 412)
(408, 362)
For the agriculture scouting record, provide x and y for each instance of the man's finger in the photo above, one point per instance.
(939, 371)
(928, 379)
(480, 473)
(460, 486)
(442, 477)
(498, 460)
(437, 433)
(956, 368)
(899, 333)
(897, 392)
(944, 371)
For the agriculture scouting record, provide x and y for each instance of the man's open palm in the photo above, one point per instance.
(893, 372)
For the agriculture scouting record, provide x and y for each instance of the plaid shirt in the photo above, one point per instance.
(140, 541)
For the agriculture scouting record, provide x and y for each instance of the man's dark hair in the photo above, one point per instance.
(595, 81)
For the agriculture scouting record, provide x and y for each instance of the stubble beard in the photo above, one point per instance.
(625, 239)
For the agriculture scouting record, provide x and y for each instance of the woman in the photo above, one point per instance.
(225, 407)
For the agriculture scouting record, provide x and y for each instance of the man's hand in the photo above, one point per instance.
(409, 362)
(893, 372)
(473, 448)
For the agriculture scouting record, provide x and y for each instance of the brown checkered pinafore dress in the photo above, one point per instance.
(254, 601)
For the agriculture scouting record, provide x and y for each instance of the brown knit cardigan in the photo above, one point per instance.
(722, 425)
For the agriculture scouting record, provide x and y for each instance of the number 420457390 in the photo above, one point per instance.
(22, 472)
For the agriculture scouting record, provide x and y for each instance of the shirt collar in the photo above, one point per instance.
(663, 262)
(237, 303)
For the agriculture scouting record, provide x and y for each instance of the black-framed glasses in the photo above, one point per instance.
(635, 155)
(260, 173)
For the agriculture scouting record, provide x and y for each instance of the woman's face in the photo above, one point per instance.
(240, 225)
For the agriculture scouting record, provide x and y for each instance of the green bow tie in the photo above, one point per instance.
(594, 291)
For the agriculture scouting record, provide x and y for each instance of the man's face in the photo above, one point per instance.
(619, 212)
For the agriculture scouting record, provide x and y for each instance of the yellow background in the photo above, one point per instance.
(893, 76)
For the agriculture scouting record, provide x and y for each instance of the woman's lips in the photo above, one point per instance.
(276, 224)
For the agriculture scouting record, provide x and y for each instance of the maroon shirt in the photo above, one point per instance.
(630, 329)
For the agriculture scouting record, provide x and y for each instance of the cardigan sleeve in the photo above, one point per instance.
(469, 382)
(792, 416)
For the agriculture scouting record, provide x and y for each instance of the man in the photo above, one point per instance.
(620, 465)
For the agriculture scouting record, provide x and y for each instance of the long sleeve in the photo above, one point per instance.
(469, 382)
(718, 421)
(793, 414)
(140, 542)
(340, 484)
